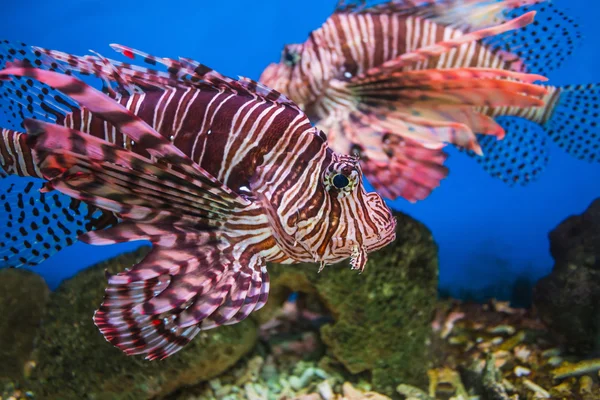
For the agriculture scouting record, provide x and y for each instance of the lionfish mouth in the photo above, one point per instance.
(344, 246)
(381, 238)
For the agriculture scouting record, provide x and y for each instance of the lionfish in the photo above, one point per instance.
(220, 175)
(396, 82)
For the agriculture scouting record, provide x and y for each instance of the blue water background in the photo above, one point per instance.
(488, 234)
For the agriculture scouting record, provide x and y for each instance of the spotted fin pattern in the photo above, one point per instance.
(570, 118)
(520, 157)
(574, 123)
(544, 45)
(24, 97)
(36, 225)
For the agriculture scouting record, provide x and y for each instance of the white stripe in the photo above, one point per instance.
(177, 126)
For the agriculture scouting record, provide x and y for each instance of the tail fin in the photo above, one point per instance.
(573, 121)
(570, 118)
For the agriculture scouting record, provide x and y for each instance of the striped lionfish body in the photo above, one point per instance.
(397, 82)
(220, 175)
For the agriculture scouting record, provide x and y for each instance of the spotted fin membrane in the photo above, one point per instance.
(36, 225)
(544, 45)
(570, 120)
(570, 117)
(22, 97)
(520, 157)
(575, 122)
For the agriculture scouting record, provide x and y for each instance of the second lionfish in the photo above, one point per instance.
(220, 175)
(397, 81)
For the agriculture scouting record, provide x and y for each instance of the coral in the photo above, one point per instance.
(381, 317)
(75, 362)
(22, 301)
(568, 299)
(258, 379)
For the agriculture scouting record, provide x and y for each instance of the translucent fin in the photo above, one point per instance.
(466, 15)
(520, 157)
(36, 225)
(435, 105)
(23, 97)
(574, 123)
(544, 45)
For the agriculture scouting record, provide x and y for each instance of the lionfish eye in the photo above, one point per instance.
(290, 57)
(341, 178)
(340, 181)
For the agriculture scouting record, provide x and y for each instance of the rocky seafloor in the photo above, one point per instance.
(380, 335)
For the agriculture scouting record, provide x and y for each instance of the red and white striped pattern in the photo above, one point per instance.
(15, 156)
(407, 69)
(221, 176)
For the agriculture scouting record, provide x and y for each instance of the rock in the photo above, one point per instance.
(568, 299)
(75, 362)
(23, 296)
(382, 316)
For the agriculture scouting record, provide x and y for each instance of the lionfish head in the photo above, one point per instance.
(285, 75)
(356, 222)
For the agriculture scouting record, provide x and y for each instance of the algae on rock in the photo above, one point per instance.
(75, 362)
(22, 301)
(382, 316)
